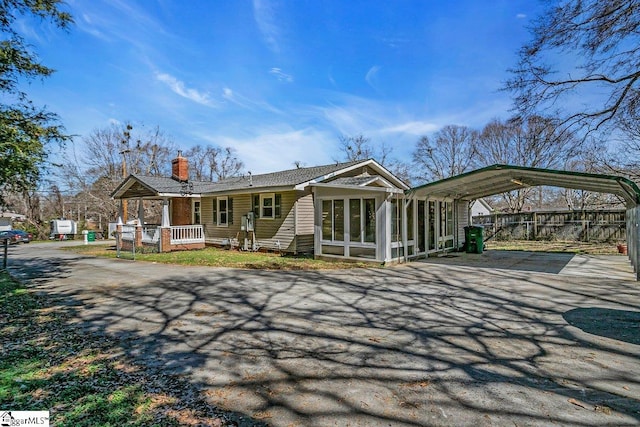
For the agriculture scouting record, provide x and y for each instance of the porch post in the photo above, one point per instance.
(119, 235)
(141, 211)
(165, 228)
(166, 222)
(138, 236)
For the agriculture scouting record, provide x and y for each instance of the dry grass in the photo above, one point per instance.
(47, 363)
(214, 257)
(554, 246)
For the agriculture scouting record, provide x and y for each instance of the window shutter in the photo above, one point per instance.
(230, 211)
(277, 202)
(215, 211)
(256, 205)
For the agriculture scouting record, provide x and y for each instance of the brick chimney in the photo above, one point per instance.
(180, 168)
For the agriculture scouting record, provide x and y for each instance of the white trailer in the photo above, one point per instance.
(63, 229)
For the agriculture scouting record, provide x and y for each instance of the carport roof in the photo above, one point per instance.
(498, 179)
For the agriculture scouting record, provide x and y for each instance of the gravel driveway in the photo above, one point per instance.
(420, 344)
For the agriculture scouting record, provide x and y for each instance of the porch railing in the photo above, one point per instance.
(129, 232)
(150, 234)
(181, 234)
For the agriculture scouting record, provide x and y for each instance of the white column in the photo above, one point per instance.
(166, 221)
(141, 211)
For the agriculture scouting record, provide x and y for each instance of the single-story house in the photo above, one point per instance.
(480, 207)
(337, 210)
(354, 210)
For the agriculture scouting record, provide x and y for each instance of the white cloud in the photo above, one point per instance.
(179, 87)
(250, 104)
(281, 76)
(521, 16)
(371, 76)
(413, 128)
(265, 16)
(274, 148)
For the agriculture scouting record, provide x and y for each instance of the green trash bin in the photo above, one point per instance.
(91, 236)
(473, 239)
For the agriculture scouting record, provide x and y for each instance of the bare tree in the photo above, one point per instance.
(623, 158)
(449, 152)
(110, 153)
(356, 147)
(532, 142)
(213, 163)
(603, 37)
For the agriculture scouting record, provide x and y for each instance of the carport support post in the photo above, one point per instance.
(405, 234)
(633, 238)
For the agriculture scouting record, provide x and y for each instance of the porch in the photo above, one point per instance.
(154, 237)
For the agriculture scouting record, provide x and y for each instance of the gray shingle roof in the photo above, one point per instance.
(169, 185)
(287, 178)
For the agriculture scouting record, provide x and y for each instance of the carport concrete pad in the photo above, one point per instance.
(418, 344)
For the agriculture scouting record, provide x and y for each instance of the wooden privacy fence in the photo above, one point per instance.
(583, 226)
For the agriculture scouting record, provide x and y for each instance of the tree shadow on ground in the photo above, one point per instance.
(413, 345)
(621, 325)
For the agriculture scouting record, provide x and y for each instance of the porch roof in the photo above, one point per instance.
(499, 178)
(150, 187)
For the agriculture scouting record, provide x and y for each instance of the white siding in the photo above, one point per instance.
(304, 223)
(271, 231)
(462, 220)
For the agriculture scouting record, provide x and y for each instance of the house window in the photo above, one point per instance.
(268, 205)
(327, 220)
(369, 220)
(362, 220)
(338, 220)
(196, 212)
(396, 220)
(355, 220)
(223, 211)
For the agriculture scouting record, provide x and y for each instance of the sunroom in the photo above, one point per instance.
(359, 218)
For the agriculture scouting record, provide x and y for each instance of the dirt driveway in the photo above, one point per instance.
(419, 344)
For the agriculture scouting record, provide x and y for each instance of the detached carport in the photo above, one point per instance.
(499, 179)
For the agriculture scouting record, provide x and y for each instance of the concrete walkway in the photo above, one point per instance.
(421, 344)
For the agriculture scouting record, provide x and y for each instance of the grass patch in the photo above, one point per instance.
(587, 248)
(215, 257)
(48, 364)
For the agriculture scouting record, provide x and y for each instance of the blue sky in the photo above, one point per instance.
(280, 81)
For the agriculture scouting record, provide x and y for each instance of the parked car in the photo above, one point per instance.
(16, 236)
